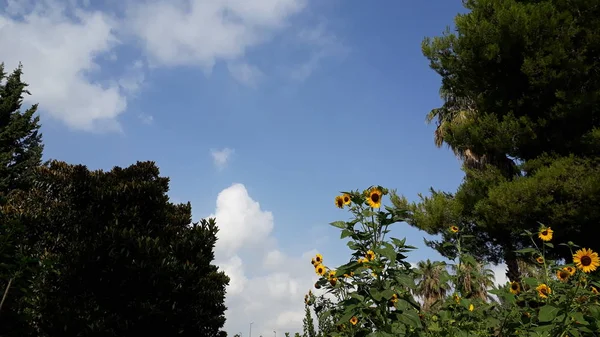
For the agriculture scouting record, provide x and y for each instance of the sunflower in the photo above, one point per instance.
(539, 259)
(545, 234)
(339, 201)
(562, 275)
(471, 307)
(320, 270)
(454, 229)
(313, 261)
(456, 298)
(331, 274)
(594, 290)
(333, 281)
(543, 290)
(370, 255)
(319, 258)
(586, 259)
(570, 270)
(347, 199)
(317, 286)
(362, 260)
(374, 197)
(353, 320)
(515, 287)
(394, 298)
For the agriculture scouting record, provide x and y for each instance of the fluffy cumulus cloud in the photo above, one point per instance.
(267, 286)
(69, 48)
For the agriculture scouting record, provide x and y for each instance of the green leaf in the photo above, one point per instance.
(346, 233)
(376, 294)
(405, 280)
(338, 224)
(526, 250)
(531, 281)
(548, 313)
(578, 316)
(549, 244)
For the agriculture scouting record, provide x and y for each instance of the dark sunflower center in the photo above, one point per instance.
(545, 232)
(586, 260)
(514, 286)
(544, 291)
(340, 201)
(375, 197)
(346, 199)
(563, 274)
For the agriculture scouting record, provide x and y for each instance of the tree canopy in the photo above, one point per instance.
(118, 258)
(521, 96)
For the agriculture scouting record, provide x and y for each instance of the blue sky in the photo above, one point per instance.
(312, 97)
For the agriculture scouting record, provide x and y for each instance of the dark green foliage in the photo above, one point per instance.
(521, 89)
(119, 258)
(20, 154)
(308, 323)
(20, 140)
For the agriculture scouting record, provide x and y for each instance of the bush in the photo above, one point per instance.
(378, 293)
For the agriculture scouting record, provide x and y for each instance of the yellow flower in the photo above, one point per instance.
(594, 290)
(331, 274)
(339, 201)
(454, 229)
(471, 307)
(319, 258)
(570, 270)
(333, 281)
(543, 290)
(353, 320)
(347, 199)
(313, 261)
(370, 255)
(320, 270)
(586, 259)
(562, 275)
(394, 298)
(540, 259)
(361, 260)
(374, 199)
(545, 234)
(515, 287)
(351, 273)
(456, 298)
(373, 274)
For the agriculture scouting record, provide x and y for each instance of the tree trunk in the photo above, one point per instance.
(512, 264)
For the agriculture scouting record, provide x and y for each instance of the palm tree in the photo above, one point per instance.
(474, 280)
(432, 282)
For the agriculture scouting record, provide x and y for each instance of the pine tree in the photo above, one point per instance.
(20, 141)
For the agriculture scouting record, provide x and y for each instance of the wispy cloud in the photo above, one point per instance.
(221, 157)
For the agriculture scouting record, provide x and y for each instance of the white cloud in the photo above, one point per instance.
(62, 43)
(245, 73)
(323, 44)
(200, 32)
(221, 157)
(58, 54)
(266, 287)
(500, 274)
